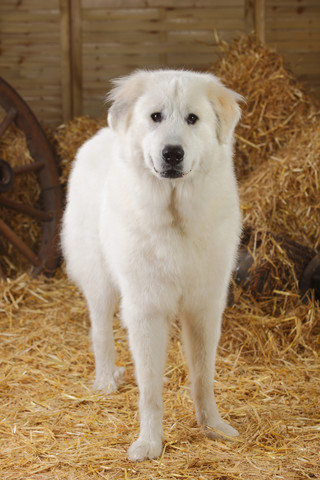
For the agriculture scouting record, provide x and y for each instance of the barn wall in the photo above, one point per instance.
(30, 54)
(61, 54)
(117, 40)
(293, 28)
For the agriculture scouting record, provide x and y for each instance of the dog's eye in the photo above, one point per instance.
(192, 119)
(156, 117)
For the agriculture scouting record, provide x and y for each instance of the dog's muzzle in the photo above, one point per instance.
(172, 156)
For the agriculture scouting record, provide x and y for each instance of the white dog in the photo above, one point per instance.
(153, 218)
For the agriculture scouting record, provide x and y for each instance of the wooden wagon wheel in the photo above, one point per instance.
(43, 255)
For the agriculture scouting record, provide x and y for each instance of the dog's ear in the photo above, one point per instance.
(123, 96)
(225, 104)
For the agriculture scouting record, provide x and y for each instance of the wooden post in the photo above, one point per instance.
(249, 21)
(66, 87)
(71, 65)
(76, 57)
(260, 20)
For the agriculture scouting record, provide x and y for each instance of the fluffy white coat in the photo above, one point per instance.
(158, 232)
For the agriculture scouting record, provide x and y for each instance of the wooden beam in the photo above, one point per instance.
(260, 20)
(249, 20)
(65, 61)
(76, 57)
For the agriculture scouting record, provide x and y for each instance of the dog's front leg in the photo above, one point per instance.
(201, 336)
(148, 340)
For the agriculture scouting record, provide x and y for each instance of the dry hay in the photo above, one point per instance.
(276, 103)
(69, 138)
(54, 426)
(282, 195)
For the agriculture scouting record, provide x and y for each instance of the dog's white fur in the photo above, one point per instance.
(165, 246)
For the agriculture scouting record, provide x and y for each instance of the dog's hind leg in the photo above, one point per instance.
(102, 300)
(201, 336)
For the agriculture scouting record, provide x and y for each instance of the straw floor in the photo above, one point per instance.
(54, 426)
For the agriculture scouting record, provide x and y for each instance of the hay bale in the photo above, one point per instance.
(282, 196)
(276, 103)
(69, 138)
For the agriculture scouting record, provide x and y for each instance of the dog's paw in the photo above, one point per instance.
(144, 450)
(220, 429)
(109, 383)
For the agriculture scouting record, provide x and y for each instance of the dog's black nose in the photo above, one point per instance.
(173, 154)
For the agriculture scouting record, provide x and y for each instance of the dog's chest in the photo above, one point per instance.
(178, 222)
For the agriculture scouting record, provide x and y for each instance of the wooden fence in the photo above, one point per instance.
(61, 54)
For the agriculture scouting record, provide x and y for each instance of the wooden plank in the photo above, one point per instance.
(104, 14)
(7, 27)
(100, 42)
(127, 4)
(144, 49)
(26, 17)
(134, 61)
(292, 9)
(275, 35)
(134, 14)
(292, 3)
(200, 39)
(195, 14)
(294, 24)
(33, 49)
(158, 26)
(29, 5)
(194, 3)
(29, 38)
(193, 59)
(296, 46)
(116, 4)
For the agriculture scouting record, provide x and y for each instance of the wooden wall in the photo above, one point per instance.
(293, 28)
(61, 54)
(30, 54)
(117, 40)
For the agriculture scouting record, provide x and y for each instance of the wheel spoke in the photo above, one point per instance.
(19, 244)
(8, 119)
(31, 167)
(26, 209)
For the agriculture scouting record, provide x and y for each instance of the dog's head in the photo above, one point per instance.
(177, 120)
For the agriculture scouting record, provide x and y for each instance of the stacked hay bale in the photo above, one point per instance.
(275, 102)
(69, 138)
(278, 163)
